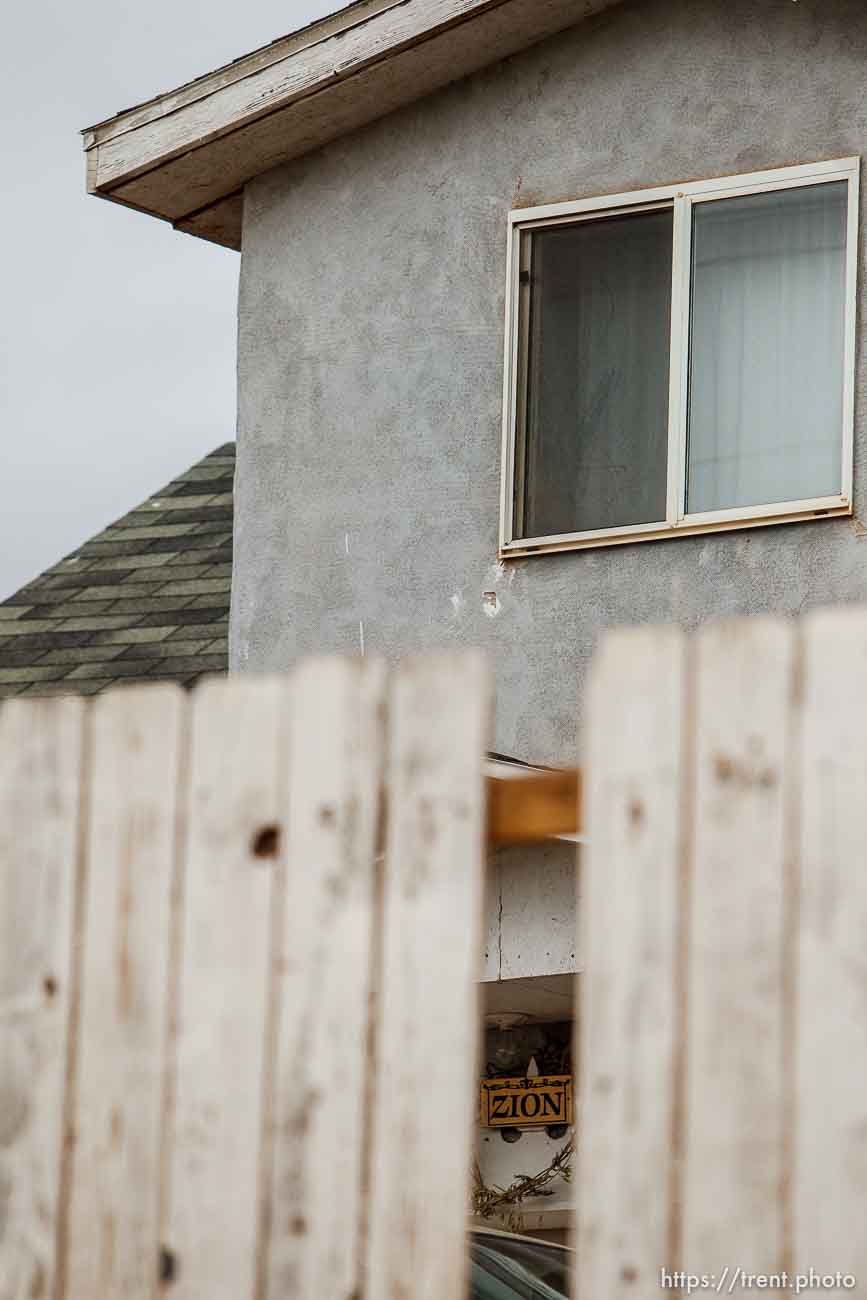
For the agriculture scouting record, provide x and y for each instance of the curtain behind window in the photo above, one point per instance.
(766, 354)
(597, 409)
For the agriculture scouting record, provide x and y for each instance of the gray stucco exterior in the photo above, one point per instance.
(371, 345)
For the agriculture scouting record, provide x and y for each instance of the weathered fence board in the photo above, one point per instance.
(240, 934)
(211, 1227)
(626, 1045)
(752, 1145)
(136, 742)
(830, 1154)
(428, 1023)
(40, 786)
(744, 765)
(212, 978)
(326, 924)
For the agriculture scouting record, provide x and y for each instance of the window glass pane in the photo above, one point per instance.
(597, 324)
(766, 353)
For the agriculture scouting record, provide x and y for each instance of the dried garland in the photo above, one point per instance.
(488, 1201)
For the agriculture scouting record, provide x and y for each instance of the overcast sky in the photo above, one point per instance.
(117, 334)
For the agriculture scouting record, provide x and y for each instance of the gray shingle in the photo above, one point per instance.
(126, 590)
(67, 687)
(42, 641)
(181, 617)
(81, 654)
(25, 626)
(121, 608)
(216, 526)
(150, 605)
(146, 561)
(196, 630)
(183, 572)
(148, 532)
(199, 664)
(132, 635)
(158, 650)
(188, 489)
(115, 668)
(29, 595)
(202, 557)
(30, 673)
(70, 609)
(100, 550)
(72, 562)
(205, 606)
(95, 624)
(173, 544)
(18, 658)
(204, 473)
(208, 514)
(200, 587)
(104, 578)
(188, 503)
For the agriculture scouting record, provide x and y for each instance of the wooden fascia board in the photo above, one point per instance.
(178, 156)
(125, 153)
(266, 56)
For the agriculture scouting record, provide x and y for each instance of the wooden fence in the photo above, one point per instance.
(239, 937)
(200, 1091)
(723, 1129)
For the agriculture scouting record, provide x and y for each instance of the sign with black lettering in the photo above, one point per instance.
(518, 1103)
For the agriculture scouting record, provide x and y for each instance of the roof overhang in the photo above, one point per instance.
(185, 156)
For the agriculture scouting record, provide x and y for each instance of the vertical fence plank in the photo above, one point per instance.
(331, 810)
(427, 1030)
(626, 1044)
(736, 1105)
(211, 1232)
(113, 1227)
(831, 1152)
(40, 786)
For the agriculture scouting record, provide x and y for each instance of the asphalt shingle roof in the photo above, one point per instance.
(147, 599)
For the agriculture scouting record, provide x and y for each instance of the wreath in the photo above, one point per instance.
(487, 1201)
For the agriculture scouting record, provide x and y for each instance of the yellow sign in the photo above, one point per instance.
(514, 1103)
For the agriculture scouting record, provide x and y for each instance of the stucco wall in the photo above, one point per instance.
(370, 366)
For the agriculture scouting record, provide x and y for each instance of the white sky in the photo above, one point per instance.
(117, 334)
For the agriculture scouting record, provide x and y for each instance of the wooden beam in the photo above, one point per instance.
(536, 807)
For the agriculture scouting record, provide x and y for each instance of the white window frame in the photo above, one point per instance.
(682, 198)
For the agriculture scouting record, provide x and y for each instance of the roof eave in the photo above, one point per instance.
(185, 156)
